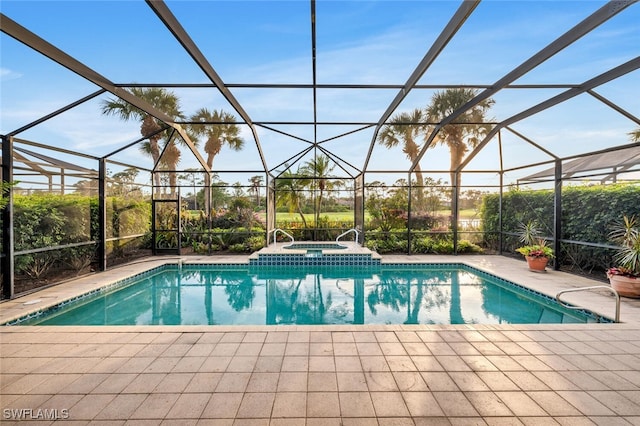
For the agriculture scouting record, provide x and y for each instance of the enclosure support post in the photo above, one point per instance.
(7, 219)
(455, 196)
(102, 215)
(501, 235)
(409, 217)
(359, 199)
(557, 214)
(153, 215)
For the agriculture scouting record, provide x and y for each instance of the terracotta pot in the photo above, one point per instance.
(625, 286)
(537, 264)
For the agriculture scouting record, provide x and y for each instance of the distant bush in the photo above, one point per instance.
(587, 215)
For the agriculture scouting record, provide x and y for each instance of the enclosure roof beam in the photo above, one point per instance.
(529, 141)
(40, 45)
(55, 162)
(455, 23)
(603, 78)
(600, 16)
(174, 26)
(314, 75)
(616, 107)
(57, 112)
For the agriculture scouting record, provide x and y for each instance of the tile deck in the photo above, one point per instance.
(559, 374)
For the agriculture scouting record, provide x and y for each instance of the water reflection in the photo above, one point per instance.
(320, 296)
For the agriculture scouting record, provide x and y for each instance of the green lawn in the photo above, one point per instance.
(333, 216)
(346, 216)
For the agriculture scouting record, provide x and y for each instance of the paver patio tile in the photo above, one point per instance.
(222, 405)
(297, 363)
(121, 407)
(85, 384)
(584, 380)
(374, 363)
(233, 382)
(554, 380)
(613, 380)
(263, 382)
(464, 348)
(415, 348)
(439, 381)
(488, 404)
(497, 380)
(468, 381)
(351, 382)
(297, 349)
(162, 365)
(290, 404)
(322, 382)
(521, 404)
(144, 383)
(348, 363)
(452, 363)
(422, 404)
(356, 404)
(292, 382)
(321, 349)
(455, 404)
(268, 364)
(553, 403)
(410, 381)
(174, 382)
(256, 405)
(401, 363)
(389, 404)
(89, 406)
(478, 363)
(426, 363)
(225, 349)
(380, 381)
(242, 364)
(617, 403)
(344, 349)
(321, 363)
(323, 404)
(115, 383)
(177, 350)
(526, 380)
(203, 382)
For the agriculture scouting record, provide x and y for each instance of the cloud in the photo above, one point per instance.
(6, 74)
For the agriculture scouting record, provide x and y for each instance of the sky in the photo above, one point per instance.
(358, 42)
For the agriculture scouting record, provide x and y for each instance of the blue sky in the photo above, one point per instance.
(358, 42)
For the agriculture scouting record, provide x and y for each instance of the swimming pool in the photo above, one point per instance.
(244, 295)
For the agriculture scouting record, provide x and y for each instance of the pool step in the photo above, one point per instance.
(313, 258)
(313, 253)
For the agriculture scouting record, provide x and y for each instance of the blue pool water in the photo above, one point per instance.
(226, 294)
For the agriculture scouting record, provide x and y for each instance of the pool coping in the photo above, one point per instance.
(508, 269)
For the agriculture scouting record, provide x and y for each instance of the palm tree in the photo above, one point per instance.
(169, 160)
(289, 187)
(217, 134)
(150, 127)
(403, 129)
(256, 181)
(464, 132)
(319, 170)
(635, 135)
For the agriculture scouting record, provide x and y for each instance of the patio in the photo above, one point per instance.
(565, 374)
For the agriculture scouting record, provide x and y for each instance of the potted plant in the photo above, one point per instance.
(535, 250)
(625, 276)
